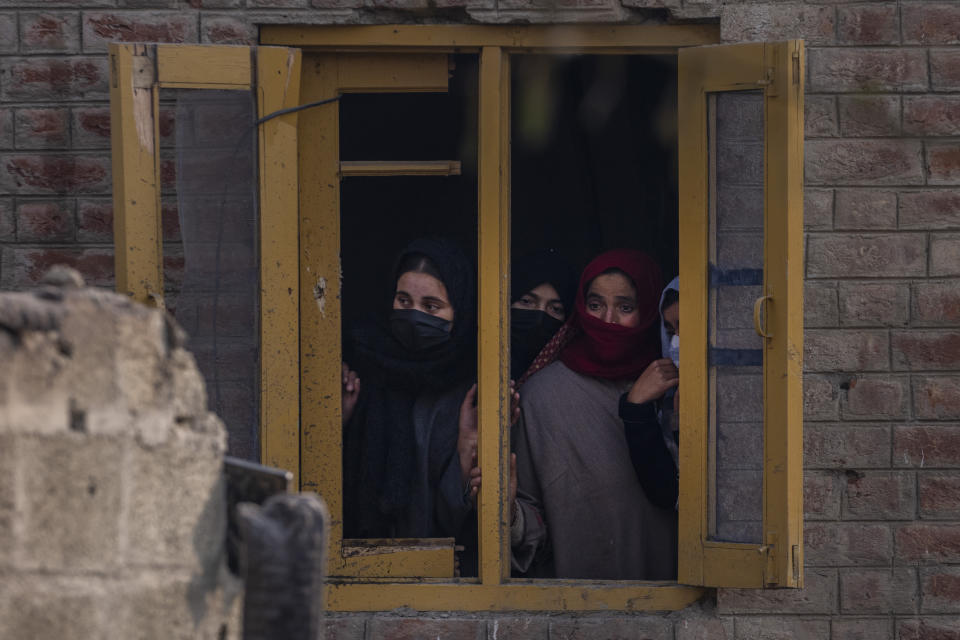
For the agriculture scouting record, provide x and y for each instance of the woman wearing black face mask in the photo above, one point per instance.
(407, 386)
(542, 289)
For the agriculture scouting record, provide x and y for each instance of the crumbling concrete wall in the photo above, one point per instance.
(112, 505)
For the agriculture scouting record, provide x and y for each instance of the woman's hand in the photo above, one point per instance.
(467, 437)
(350, 392)
(511, 485)
(659, 376)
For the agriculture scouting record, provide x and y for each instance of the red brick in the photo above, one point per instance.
(343, 627)
(8, 225)
(23, 267)
(782, 628)
(843, 544)
(821, 495)
(227, 29)
(828, 446)
(837, 350)
(867, 70)
(939, 494)
(874, 304)
(928, 543)
(880, 495)
(36, 174)
(866, 255)
(91, 128)
(620, 628)
(42, 129)
(943, 163)
(754, 22)
(892, 590)
(820, 398)
(876, 398)
(925, 350)
(941, 590)
(931, 115)
(945, 69)
(137, 26)
(931, 23)
(415, 628)
(936, 397)
(820, 116)
(929, 209)
(926, 446)
(50, 32)
(939, 628)
(817, 209)
(868, 209)
(532, 627)
(936, 303)
(819, 595)
(95, 221)
(282, 4)
(865, 116)
(703, 627)
(868, 24)
(8, 33)
(6, 128)
(861, 629)
(819, 304)
(863, 162)
(945, 254)
(336, 4)
(45, 221)
(42, 79)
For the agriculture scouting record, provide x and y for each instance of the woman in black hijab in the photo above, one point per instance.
(541, 296)
(403, 477)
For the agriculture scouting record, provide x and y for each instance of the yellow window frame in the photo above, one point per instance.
(137, 74)
(776, 69)
(301, 340)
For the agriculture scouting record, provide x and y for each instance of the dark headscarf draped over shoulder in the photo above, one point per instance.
(612, 351)
(379, 439)
(543, 266)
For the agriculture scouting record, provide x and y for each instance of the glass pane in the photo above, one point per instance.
(735, 358)
(211, 267)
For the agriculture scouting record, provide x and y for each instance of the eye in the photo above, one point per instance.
(432, 306)
(403, 300)
(626, 308)
(527, 301)
(593, 305)
(556, 310)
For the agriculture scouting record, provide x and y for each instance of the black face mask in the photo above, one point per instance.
(418, 331)
(530, 330)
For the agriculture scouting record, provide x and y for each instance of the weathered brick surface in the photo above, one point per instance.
(50, 32)
(931, 115)
(943, 163)
(929, 628)
(865, 209)
(833, 350)
(781, 628)
(861, 628)
(227, 29)
(820, 304)
(871, 397)
(8, 223)
(931, 23)
(26, 265)
(936, 397)
(817, 209)
(929, 209)
(815, 24)
(867, 70)
(927, 543)
(390, 628)
(926, 446)
(137, 26)
(54, 174)
(8, 33)
(821, 495)
(866, 255)
(6, 128)
(819, 596)
(874, 304)
(832, 446)
(891, 590)
(45, 221)
(925, 350)
(868, 24)
(864, 162)
(938, 494)
(43, 78)
(841, 544)
(820, 397)
(945, 254)
(647, 628)
(936, 303)
(820, 117)
(866, 116)
(880, 495)
(42, 129)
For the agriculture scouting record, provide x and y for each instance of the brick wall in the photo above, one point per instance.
(882, 388)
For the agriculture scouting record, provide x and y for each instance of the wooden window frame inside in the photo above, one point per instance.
(300, 247)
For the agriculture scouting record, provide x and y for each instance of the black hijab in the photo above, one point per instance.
(530, 331)
(379, 438)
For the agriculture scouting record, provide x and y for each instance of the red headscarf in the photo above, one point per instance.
(590, 346)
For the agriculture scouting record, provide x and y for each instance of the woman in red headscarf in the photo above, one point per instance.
(597, 485)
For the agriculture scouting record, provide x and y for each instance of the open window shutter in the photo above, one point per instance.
(741, 282)
(235, 194)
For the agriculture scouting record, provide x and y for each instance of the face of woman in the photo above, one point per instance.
(542, 298)
(671, 318)
(423, 292)
(611, 297)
